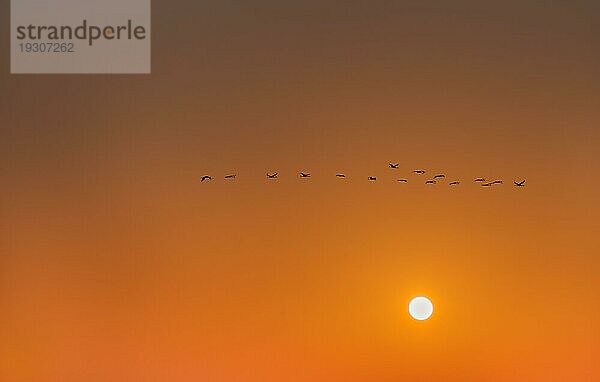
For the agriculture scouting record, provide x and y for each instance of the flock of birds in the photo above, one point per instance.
(394, 166)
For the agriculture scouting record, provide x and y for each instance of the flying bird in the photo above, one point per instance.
(232, 176)
(453, 183)
(430, 182)
(492, 183)
(272, 176)
(402, 180)
(373, 178)
(419, 171)
(205, 177)
(304, 175)
(520, 184)
(479, 180)
(394, 165)
(340, 175)
(439, 176)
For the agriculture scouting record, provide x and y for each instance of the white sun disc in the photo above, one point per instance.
(420, 308)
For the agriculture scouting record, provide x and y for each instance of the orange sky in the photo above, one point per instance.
(116, 264)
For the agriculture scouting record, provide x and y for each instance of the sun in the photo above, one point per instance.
(420, 308)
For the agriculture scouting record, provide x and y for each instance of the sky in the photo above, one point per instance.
(117, 264)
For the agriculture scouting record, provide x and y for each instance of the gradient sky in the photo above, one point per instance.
(116, 264)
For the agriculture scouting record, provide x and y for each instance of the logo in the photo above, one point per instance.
(80, 36)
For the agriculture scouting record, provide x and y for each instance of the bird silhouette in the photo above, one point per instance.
(402, 180)
(232, 176)
(373, 178)
(430, 182)
(205, 177)
(520, 184)
(479, 180)
(304, 175)
(272, 176)
(394, 165)
(419, 171)
(454, 183)
(492, 183)
(439, 176)
(340, 175)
